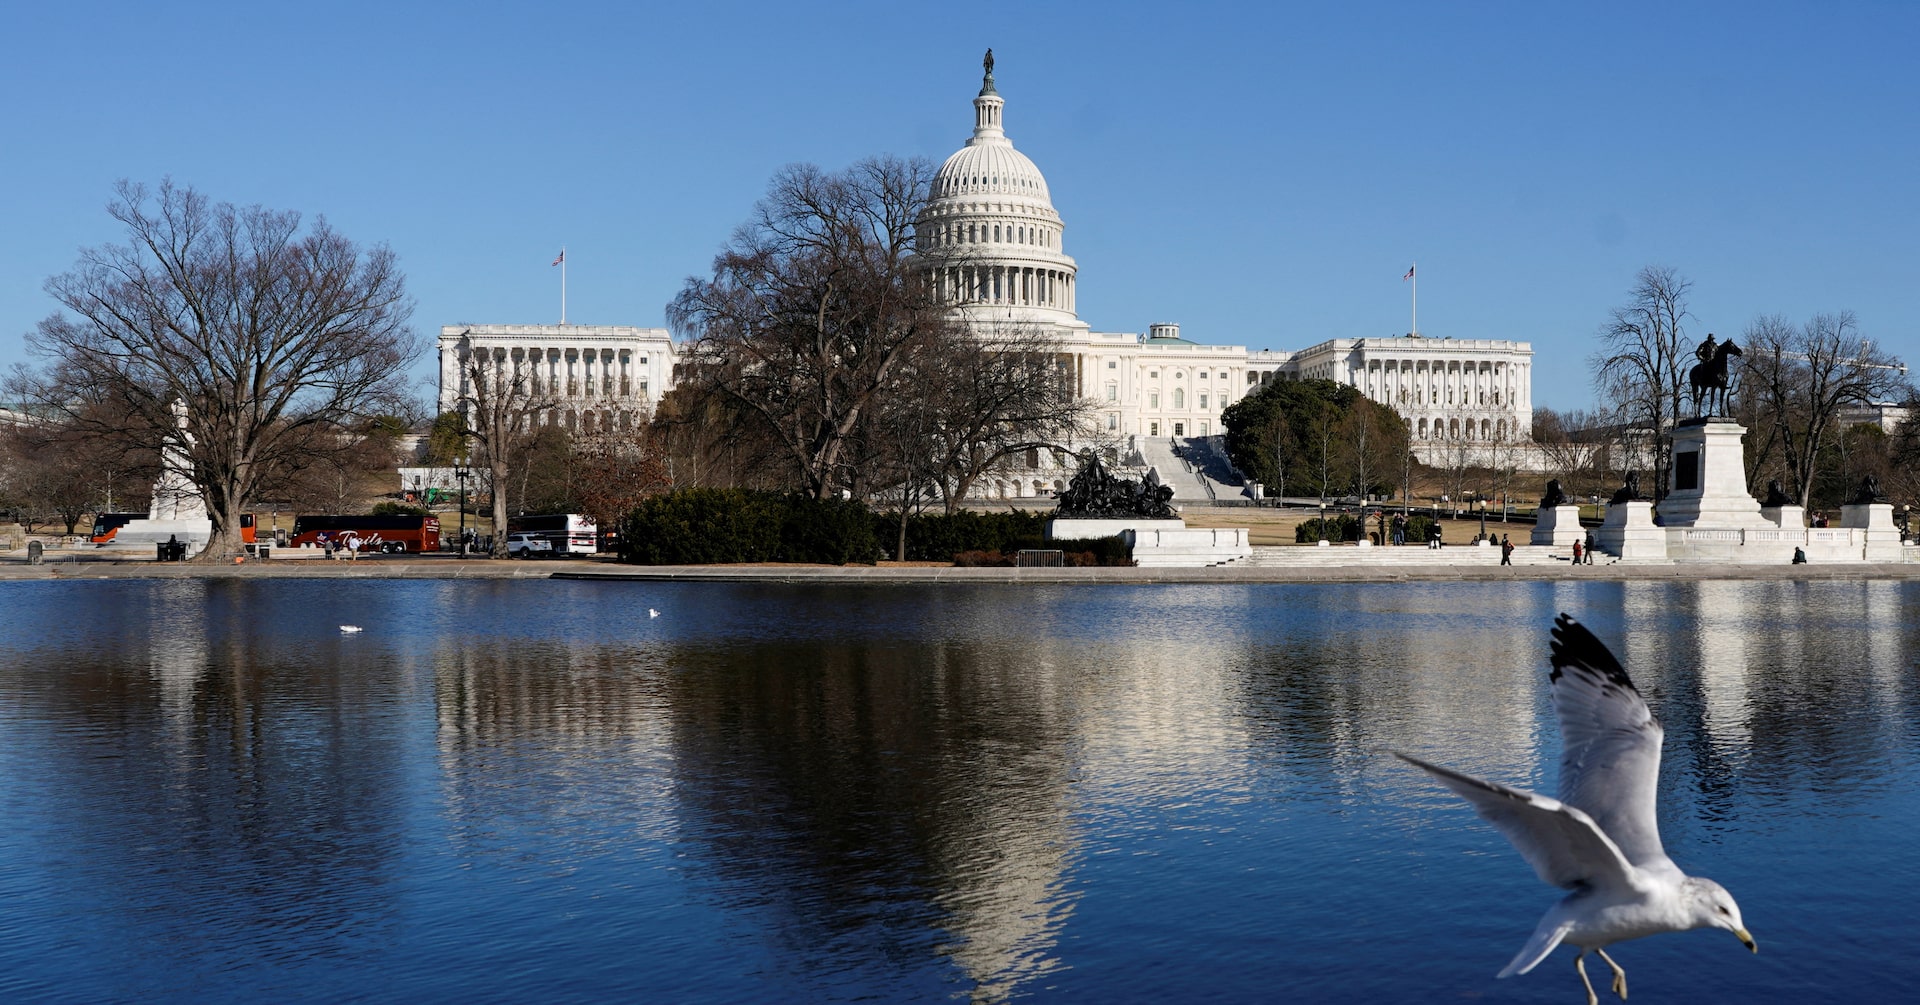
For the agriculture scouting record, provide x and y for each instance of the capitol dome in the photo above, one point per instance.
(989, 230)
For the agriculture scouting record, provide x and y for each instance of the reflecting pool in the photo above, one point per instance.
(533, 791)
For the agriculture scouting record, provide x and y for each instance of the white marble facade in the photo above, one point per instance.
(595, 376)
(992, 237)
(996, 242)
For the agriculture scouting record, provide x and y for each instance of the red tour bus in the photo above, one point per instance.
(388, 534)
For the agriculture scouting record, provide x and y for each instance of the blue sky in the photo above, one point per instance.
(1262, 173)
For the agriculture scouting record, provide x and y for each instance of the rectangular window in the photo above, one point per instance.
(1153, 429)
(1153, 401)
(1113, 420)
(1203, 401)
(1113, 364)
(1113, 392)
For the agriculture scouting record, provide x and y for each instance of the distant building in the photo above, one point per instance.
(995, 244)
(1888, 415)
(595, 376)
(1002, 262)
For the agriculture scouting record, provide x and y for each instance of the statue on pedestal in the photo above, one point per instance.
(1711, 381)
(1868, 493)
(1776, 496)
(1555, 496)
(1630, 492)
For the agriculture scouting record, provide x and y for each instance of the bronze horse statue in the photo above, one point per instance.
(1710, 380)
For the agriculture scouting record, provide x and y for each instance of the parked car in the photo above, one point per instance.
(528, 546)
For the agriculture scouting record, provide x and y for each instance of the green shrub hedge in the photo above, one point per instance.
(711, 526)
(1347, 527)
(938, 537)
(1079, 553)
(719, 526)
(1338, 528)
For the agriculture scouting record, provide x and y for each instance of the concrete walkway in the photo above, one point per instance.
(1475, 565)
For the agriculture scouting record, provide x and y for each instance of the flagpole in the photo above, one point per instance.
(563, 284)
(1413, 271)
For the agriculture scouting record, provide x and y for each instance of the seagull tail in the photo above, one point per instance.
(1545, 938)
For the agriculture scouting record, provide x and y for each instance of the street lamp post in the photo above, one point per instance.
(460, 473)
(1483, 517)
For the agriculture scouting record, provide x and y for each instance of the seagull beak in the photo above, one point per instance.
(1748, 939)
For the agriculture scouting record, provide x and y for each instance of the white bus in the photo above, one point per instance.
(565, 533)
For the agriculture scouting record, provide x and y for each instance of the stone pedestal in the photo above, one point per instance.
(1881, 537)
(1558, 527)
(1164, 543)
(1629, 533)
(1710, 479)
(1786, 517)
(1081, 530)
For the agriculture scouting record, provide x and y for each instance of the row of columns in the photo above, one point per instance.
(1014, 285)
(1466, 384)
(590, 371)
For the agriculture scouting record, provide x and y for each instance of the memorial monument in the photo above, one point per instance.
(1098, 503)
(1557, 522)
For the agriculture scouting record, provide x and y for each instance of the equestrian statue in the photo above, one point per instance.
(1711, 381)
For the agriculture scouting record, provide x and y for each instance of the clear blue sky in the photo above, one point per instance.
(1262, 174)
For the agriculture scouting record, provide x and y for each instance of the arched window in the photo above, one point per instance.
(1179, 397)
(1423, 429)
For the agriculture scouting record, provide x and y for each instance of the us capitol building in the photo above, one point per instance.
(990, 223)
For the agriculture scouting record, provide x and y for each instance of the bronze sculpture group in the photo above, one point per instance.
(1097, 494)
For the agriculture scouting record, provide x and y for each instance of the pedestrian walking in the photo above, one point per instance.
(1577, 552)
(1506, 550)
(1589, 547)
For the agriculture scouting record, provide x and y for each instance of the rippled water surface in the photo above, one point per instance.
(532, 791)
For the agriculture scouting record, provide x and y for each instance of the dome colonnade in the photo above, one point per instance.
(989, 231)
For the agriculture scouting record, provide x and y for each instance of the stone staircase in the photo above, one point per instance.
(1309, 556)
(1196, 469)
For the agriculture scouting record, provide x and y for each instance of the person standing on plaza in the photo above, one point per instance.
(1577, 553)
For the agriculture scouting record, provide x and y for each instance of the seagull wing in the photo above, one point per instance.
(1562, 843)
(1610, 761)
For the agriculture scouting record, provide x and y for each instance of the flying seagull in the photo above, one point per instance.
(651, 613)
(1601, 838)
(349, 629)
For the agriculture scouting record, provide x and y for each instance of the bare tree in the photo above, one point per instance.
(1577, 446)
(1804, 377)
(615, 470)
(1503, 463)
(812, 305)
(502, 402)
(1644, 357)
(992, 396)
(265, 333)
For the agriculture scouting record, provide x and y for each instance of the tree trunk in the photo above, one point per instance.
(498, 469)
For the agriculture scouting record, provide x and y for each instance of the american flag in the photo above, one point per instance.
(563, 257)
(1409, 274)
